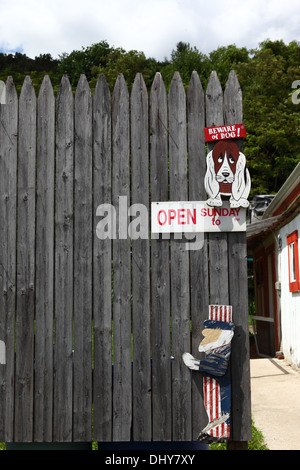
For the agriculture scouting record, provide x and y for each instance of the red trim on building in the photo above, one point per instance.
(295, 282)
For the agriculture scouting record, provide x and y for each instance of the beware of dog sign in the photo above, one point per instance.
(235, 131)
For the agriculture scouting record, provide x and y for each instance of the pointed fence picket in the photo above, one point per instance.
(94, 327)
(8, 237)
(160, 270)
(199, 297)
(25, 269)
(102, 267)
(63, 287)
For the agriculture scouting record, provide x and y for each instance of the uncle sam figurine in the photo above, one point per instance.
(216, 345)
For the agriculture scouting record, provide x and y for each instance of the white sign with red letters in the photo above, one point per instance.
(196, 217)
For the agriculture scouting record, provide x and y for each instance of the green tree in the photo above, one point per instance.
(129, 64)
(225, 59)
(186, 59)
(272, 120)
(18, 65)
(45, 62)
(83, 61)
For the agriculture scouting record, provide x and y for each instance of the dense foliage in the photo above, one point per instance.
(266, 75)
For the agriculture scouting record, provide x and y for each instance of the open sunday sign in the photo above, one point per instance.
(196, 217)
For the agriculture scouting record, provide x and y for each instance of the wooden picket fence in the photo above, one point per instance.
(95, 329)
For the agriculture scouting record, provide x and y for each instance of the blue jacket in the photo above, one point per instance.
(215, 365)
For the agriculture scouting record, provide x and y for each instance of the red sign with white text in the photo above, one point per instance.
(235, 131)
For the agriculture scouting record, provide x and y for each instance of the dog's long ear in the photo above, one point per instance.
(210, 183)
(248, 184)
(239, 184)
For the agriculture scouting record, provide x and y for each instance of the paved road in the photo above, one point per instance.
(275, 399)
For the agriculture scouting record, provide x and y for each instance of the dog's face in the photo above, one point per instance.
(226, 175)
(225, 156)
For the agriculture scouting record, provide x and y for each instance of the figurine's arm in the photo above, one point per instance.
(190, 361)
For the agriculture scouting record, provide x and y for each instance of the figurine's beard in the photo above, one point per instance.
(224, 339)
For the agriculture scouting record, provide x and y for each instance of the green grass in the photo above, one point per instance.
(257, 443)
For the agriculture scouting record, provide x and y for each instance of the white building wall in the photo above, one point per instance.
(289, 301)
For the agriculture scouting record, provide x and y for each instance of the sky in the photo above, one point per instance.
(154, 27)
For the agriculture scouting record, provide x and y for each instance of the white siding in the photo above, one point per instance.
(289, 301)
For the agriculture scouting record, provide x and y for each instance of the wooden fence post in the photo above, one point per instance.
(44, 297)
(102, 267)
(142, 419)
(160, 272)
(64, 224)
(198, 258)
(8, 207)
(83, 246)
(23, 423)
(122, 390)
(180, 296)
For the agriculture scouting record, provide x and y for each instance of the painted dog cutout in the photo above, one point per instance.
(216, 345)
(227, 175)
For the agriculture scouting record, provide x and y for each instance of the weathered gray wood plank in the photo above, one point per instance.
(83, 247)
(199, 256)
(63, 370)
(238, 291)
(25, 265)
(233, 101)
(102, 259)
(218, 268)
(8, 204)
(142, 422)
(160, 270)
(196, 141)
(180, 298)
(122, 390)
(43, 381)
(218, 258)
(214, 102)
